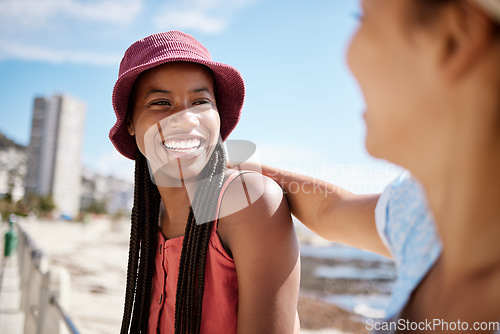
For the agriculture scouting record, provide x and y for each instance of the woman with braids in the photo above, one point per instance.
(211, 250)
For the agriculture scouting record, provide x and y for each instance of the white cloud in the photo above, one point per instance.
(37, 12)
(69, 31)
(206, 16)
(191, 20)
(62, 31)
(12, 50)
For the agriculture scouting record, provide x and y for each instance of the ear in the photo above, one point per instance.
(130, 128)
(466, 36)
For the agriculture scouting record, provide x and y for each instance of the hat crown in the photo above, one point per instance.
(171, 44)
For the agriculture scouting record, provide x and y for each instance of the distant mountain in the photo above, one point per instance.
(6, 143)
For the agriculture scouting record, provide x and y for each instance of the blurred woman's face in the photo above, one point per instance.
(388, 58)
(175, 120)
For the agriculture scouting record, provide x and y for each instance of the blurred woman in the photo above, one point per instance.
(429, 71)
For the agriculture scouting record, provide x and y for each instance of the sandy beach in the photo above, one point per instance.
(95, 255)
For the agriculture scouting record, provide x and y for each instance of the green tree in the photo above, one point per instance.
(96, 206)
(46, 204)
(41, 205)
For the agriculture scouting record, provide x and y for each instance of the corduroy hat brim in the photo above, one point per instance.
(168, 47)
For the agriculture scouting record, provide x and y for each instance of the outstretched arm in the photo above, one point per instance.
(330, 211)
(263, 244)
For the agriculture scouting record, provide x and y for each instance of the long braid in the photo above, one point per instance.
(132, 257)
(148, 246)
(207, 206)
(135, 325)
(201, 277)
(191, 280)
(181, 279)
(144, 220)
(193, 251)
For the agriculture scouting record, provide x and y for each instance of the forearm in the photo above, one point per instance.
(329, 210)
(309, 199)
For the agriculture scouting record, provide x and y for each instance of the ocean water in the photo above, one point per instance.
(350, 272)
(354, 264)
(340, 251)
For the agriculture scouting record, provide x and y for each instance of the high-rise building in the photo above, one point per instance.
(54, 152)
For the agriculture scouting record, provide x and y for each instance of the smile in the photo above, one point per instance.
(183, 145)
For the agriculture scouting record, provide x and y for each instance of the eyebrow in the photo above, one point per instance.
(200, 90)
(164, 91)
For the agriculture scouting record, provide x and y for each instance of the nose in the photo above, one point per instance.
(183, 120)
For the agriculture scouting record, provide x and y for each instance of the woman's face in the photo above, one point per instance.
(390, 60)
(175, 120)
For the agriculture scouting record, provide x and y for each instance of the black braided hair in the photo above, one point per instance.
(191, 280)
(142, 247)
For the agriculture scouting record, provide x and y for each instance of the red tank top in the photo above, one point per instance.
(220, 300)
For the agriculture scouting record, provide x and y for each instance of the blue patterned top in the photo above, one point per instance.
(407, 228)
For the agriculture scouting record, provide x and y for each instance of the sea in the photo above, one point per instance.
(345, 263)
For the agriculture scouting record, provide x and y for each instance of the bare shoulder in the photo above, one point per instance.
(253, 206)
(250, 191)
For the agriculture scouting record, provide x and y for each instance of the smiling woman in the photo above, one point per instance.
(175, 120)
(211, 250)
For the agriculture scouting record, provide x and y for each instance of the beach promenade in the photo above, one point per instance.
(11, 317)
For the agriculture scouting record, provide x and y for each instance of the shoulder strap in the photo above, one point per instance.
(226, 184)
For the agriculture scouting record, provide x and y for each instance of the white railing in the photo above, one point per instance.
(45, 290)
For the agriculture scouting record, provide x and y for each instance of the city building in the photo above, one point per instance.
(54, 164)
(115, 196)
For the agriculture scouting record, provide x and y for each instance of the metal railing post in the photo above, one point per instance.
(44, 291)
(44, 303)
(55, 291)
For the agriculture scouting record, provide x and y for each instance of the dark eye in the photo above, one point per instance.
(200, 102)
(160, 103)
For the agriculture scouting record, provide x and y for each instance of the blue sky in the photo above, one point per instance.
(303, 108)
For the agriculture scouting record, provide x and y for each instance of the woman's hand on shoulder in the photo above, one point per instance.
(258, 231)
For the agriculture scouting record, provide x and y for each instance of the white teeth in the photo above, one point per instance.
(183, 144)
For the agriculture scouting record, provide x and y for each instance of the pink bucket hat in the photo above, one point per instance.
(167, 47)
